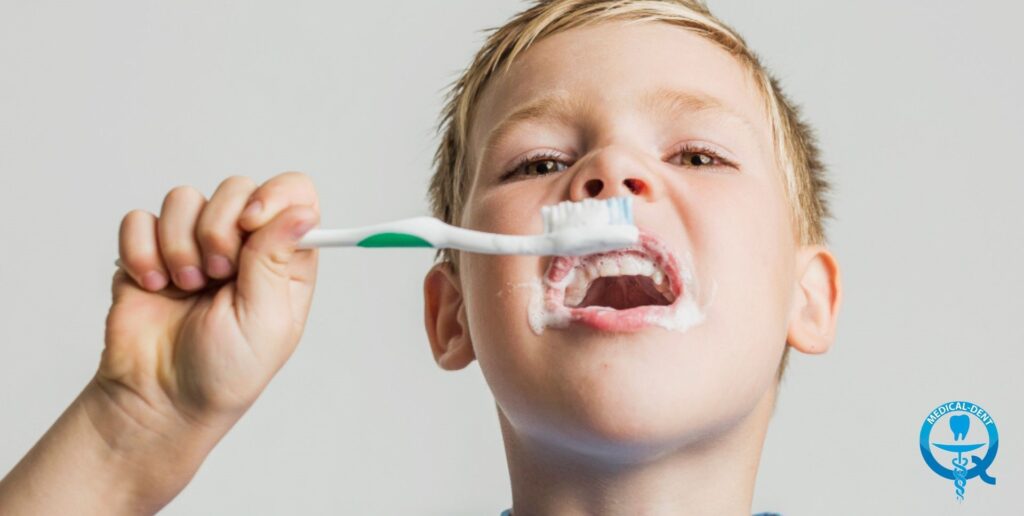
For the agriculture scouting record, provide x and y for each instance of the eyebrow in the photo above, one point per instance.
(548, 108)
(676, 102)
(560, 108)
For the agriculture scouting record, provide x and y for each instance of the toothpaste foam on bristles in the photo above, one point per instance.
(587, 213)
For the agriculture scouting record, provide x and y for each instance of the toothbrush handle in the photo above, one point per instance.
(419, 232)
(413, 232)
(431, 232)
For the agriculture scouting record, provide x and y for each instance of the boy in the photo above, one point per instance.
(632, 382)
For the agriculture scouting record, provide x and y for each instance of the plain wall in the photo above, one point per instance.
(105, 106)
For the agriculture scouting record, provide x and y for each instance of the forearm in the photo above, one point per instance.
(103, 457)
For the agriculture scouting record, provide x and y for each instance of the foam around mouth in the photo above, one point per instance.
(621, 291)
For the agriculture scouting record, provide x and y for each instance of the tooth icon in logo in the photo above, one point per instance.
(959, 424)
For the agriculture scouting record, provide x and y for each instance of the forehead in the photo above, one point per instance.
(619, 66)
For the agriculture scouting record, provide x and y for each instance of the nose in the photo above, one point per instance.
(610, 172)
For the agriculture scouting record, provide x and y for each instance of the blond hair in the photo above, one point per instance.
(795, 150)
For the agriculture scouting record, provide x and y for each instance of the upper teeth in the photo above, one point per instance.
(626, 264)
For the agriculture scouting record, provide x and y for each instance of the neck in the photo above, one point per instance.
(713, 475)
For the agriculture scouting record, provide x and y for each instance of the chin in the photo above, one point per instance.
(618, 412)
(618, 435)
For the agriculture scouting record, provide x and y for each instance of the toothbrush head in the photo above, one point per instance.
(587, 213)
(590, 226)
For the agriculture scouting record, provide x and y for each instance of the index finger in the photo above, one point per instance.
(276, 195)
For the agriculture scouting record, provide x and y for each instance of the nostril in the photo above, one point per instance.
(635, 185)
(593, 187)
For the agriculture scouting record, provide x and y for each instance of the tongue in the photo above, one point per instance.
(622, 292)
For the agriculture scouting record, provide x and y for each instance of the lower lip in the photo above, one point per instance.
(608, 319)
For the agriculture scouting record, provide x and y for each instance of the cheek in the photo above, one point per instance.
(510, 210)
(741, 232)
(497, 290)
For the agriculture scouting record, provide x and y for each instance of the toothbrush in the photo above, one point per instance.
(570, 229)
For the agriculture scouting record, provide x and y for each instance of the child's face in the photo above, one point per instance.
(612, 128)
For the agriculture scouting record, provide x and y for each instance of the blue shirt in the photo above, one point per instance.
(508, 512)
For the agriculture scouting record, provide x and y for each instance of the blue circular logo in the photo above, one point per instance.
(948, 437)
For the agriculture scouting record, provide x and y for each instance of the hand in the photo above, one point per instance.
(211, 300)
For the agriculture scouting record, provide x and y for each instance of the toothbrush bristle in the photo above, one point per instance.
(588, 213)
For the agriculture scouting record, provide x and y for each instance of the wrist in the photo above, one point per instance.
(105, 455)
(152, 451)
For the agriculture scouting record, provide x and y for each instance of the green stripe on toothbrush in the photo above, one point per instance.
(393, 240)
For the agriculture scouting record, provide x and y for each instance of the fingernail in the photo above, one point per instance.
(153, 280)
(253, 209)
(189, 278)
(300, 228)
(218, 266)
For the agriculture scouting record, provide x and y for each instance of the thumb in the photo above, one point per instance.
(275, 280)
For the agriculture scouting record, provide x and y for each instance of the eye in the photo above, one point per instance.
(540, 164)
(696, 159)
(697, 156)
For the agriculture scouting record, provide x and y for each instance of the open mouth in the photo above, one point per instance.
(619, 280)
(622, 290)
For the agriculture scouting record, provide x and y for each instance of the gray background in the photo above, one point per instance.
(104, 106)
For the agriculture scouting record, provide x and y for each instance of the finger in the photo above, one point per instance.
(176, 231)
(276, 195)
(120, 284)
(139, 251)
(218, 233)
(272, 272)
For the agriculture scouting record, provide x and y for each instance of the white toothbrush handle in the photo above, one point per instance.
(437, 234)
(426, 228)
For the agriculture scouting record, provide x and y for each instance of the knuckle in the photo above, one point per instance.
(295, 175)
(297, 186)
(240, 182)
(182, 193)
(135, 216)
(292, 181)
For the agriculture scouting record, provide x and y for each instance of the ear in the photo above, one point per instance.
(817, 296)
(445, 318)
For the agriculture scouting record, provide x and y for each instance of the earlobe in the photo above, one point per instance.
(817, 297)
(445, 318)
